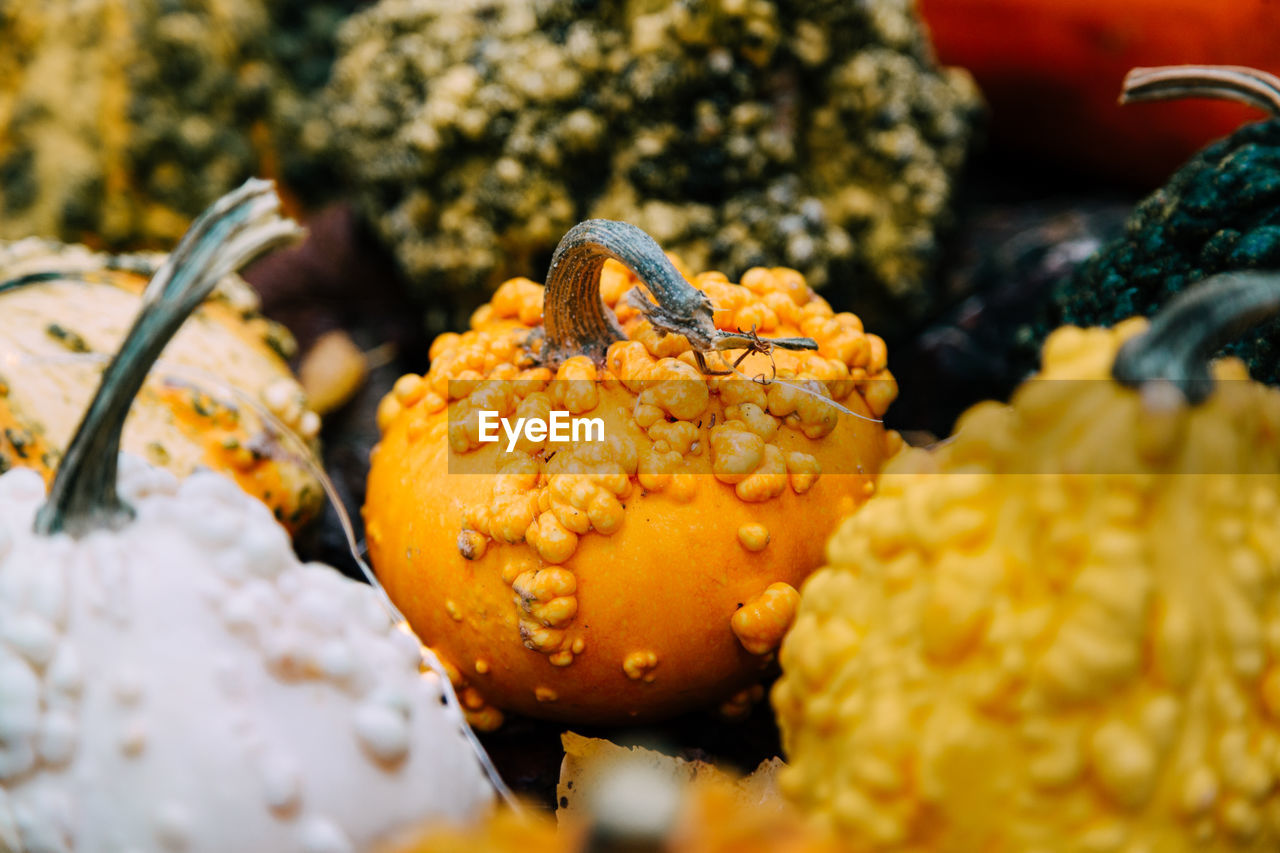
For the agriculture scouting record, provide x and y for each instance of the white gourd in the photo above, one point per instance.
(172, 678)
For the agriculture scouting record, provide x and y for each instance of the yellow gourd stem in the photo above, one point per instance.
(1181, 339)
(1228, 82)
(236, 229)
(577, 322)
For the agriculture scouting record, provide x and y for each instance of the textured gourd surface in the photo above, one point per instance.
(712, 820)
(184, 683)
(815, 135)
(120, 120)
(55, 336)
(1219, 212)
(663, 577)
(1050, 635)
(602, 783)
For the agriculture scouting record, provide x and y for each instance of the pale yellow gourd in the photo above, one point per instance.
(64, 309)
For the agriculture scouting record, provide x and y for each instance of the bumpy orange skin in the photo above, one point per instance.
(630, 617)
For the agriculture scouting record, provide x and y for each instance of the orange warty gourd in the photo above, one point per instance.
(653, 571)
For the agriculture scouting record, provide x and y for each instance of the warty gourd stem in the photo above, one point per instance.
(1227, 82)
(1196, 323)
(577, 322)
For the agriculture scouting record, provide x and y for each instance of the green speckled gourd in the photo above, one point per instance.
(809, 134)
(1219, 212)
(122, 119)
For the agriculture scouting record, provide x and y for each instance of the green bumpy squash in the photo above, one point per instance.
(120, 120)
(808, 134)
(1219, 213)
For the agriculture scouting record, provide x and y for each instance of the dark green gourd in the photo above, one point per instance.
(1220, 212)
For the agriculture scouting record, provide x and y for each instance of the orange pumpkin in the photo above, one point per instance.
(1050, 70)
(653, 571)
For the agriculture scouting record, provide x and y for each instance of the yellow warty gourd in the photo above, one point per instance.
(1060, 631)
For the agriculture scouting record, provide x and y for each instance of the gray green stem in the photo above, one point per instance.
(577, 322)
(237, 228)
(1227, 82)
(1195, 324)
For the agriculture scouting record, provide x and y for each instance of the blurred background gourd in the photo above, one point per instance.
(1219, 212)
(1050, 68)
(817, 136)
(120, 120)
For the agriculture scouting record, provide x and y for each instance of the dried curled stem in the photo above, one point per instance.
(237, 228)
(1227, 82)
(1196, 323)
(577, 322)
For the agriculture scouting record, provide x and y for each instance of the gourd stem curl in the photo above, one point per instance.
(1227, 82)
(577, 322)
(237, 228)
(1196, 323)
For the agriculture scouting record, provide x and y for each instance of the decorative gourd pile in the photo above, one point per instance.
(1219, 212)
(120, 120)
(63, 309)
(1058, 631)
(655, 571)
(171, 677)
(613, 798)
(815, 135)
(710, 820)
